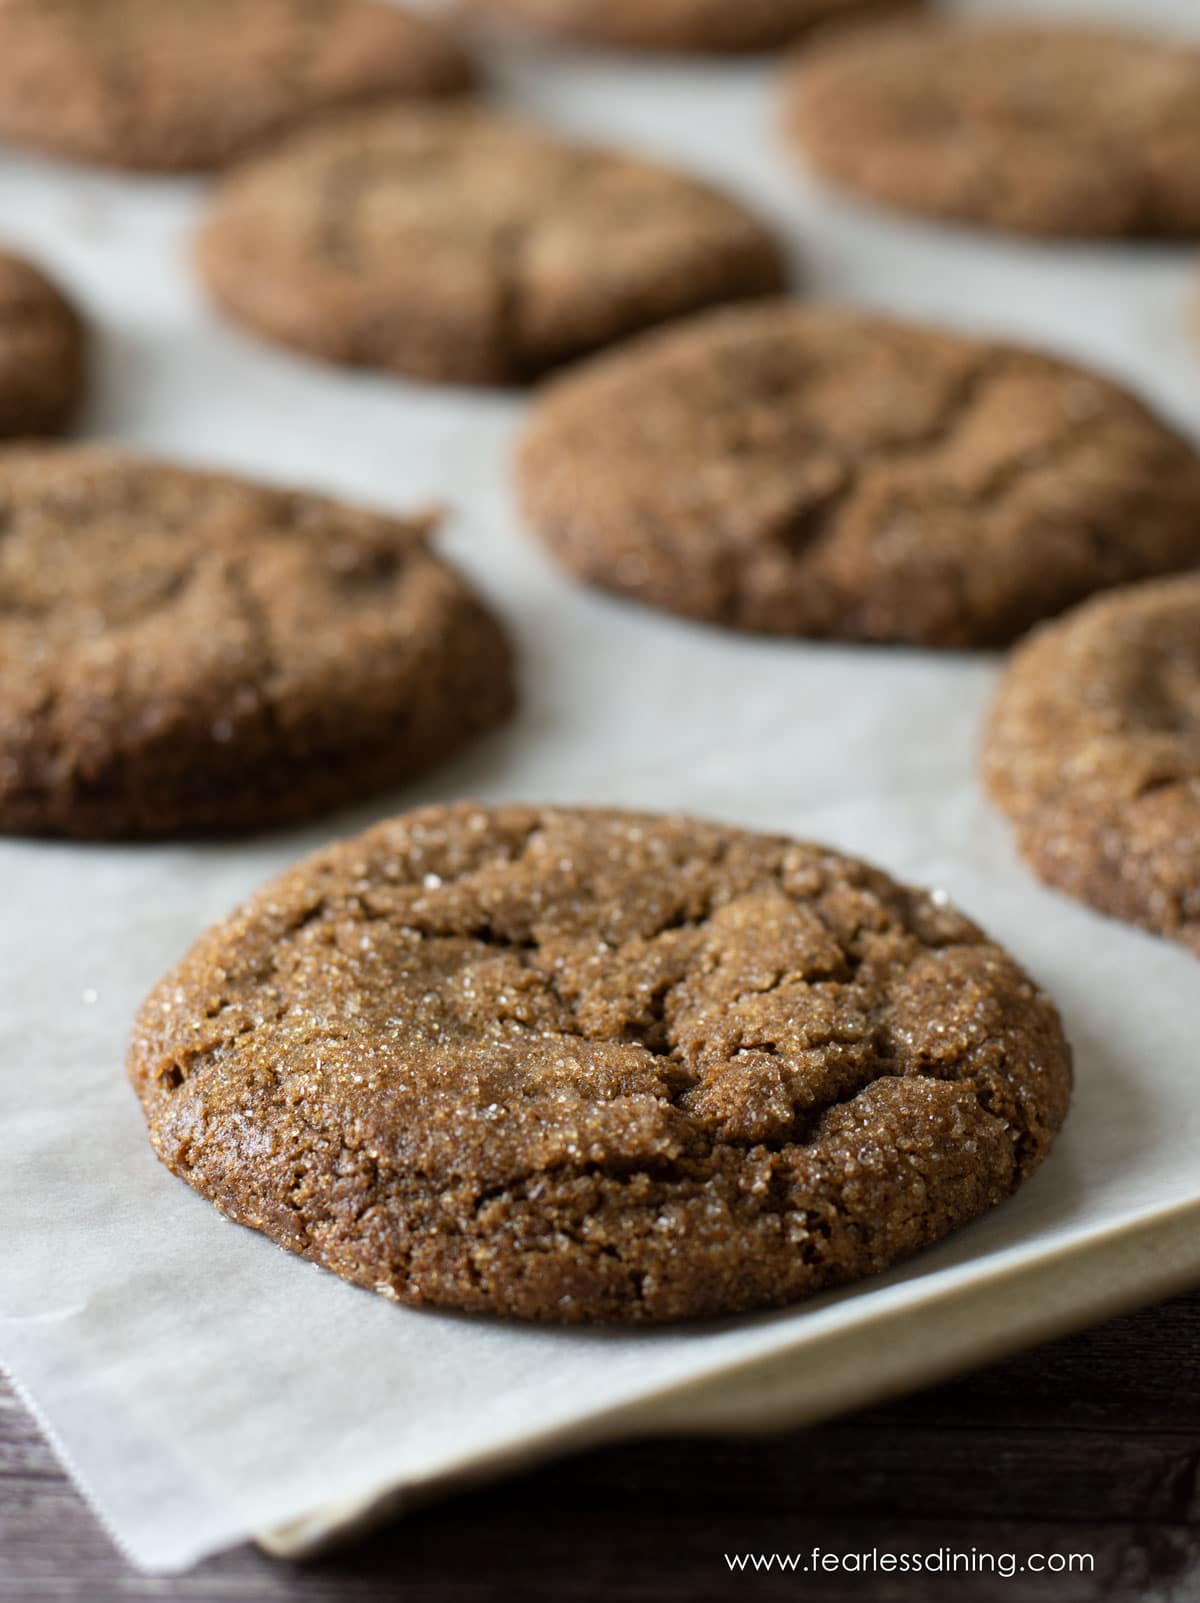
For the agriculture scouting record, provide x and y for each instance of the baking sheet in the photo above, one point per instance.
(202, 1385)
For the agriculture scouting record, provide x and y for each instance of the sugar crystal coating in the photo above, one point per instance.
(565, 1064)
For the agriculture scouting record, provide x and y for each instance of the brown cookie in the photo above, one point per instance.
(715, 26)
(1093, 751)
(1042, 130)
(187, 84)
(449, 243)
(183, 652)
(568, 1065)
(41, 351)
(804, 470)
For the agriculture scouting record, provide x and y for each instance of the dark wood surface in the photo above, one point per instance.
(1090, 1445)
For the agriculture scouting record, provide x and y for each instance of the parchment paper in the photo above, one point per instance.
(203, 1385)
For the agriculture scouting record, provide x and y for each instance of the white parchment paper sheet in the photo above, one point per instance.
(204, 1385)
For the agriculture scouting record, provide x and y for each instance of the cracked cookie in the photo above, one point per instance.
(451, 244)
(803, 470)
(166, 85)
(1054, 131)
(42, 357)
(567, 1065)
(183, 652)
(1093, 751)
(713, 26)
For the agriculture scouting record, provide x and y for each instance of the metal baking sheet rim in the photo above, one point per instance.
(889, 1352)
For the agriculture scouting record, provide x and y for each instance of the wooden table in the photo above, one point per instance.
(1090, 1445)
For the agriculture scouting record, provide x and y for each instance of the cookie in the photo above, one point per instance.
(452, 244)
(165, 85)
(715, 26)
(803, 470)
(41, 352)
(187, 653)
(1093, 751)
(1061, 131)
(570, 1065)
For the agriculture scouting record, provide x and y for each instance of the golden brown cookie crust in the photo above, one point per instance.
(1056, 131)
(452, 244)
(802, 470)
(1093, 751)
(186, 653)
(166, 85)
(713, 26)
(563, 1064)
(42, 352)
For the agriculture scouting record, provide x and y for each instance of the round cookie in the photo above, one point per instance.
(1093, 751)
(41, 352)
(1041, 130)
(803, 470)
(184, 652)
(569, 1065)
(165, 85)
(452, 244)
(715, 26)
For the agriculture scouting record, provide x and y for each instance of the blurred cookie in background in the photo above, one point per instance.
(166, 85)
(1093, 752)
(805, 470)
(1055, 131)
(710, 26)
(186, 652)
(42, 351)
(453, 244)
